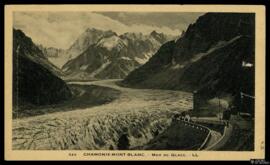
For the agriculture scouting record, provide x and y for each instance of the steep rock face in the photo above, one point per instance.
(89, 37)
(210, 29)
(114, 56)
(27, 48)
(33, 83)
(220, 70)
(208, 57)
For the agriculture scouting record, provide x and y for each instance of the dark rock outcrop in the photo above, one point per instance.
(33, 83)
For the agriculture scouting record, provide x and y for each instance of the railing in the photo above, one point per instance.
(207, 121)
(221, 141)
(199, 127)
(205, 141)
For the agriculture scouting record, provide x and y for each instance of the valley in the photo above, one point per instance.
(109, 91)
(137, 112)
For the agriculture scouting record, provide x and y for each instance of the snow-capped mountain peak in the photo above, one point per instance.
(111, 42)
(125, 53)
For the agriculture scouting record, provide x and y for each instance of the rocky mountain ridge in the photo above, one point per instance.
(207, 58)
(113, 55)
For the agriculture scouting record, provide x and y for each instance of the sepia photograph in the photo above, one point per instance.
(139, 81)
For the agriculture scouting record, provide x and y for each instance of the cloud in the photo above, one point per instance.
(60, 29)
(159, 19)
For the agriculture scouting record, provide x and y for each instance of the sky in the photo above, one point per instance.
(61, 29)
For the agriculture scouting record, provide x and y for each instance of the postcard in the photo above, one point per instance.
(134, 82)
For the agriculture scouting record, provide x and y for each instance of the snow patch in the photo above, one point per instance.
(111, 42)
(83, 67)
(65, 69)
(101, 68)
(18, 49)
(219, 45)
(141, 60)
(125, 58)
(125, 41)
(177, 66)
(147, 56)
(247, 64)
(154, 42)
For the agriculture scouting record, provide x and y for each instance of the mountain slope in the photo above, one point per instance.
(33, 83)
(207, 57)
(98, 62)
(89, 37)
(114, 56)
(26, 47)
